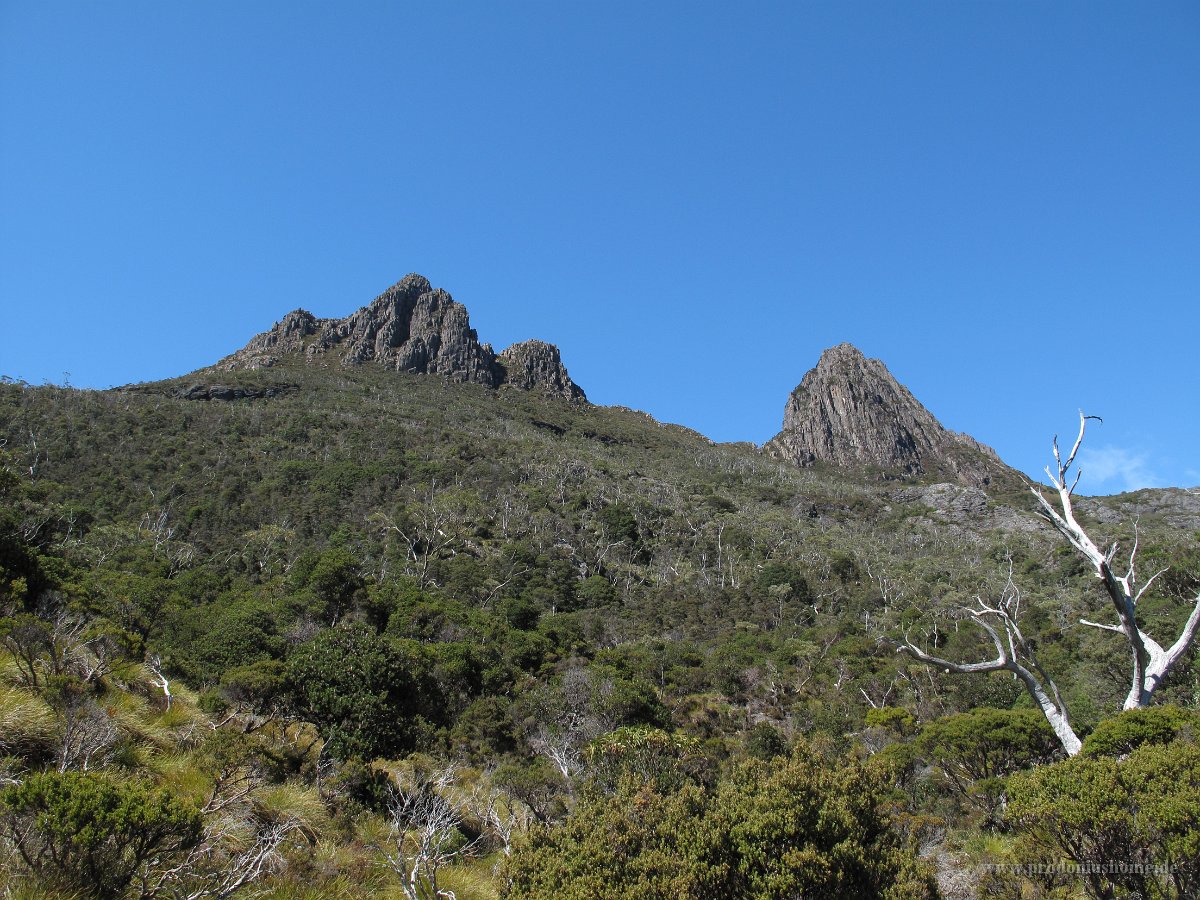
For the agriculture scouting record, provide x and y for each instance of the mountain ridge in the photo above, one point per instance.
(848, 410)
(410, 327)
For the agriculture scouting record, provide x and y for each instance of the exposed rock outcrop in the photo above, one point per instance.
(537, 366)
(966, 510)
(286, 337)
(849, 411)
(410, 327)
(224, 392)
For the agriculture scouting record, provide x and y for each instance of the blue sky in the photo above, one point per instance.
(693, 200)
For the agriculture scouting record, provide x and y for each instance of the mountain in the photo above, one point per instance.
(849, 411)
(411, 327)
(338, 563)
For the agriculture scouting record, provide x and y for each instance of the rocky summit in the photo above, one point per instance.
(537, 366)
(411, 327)
(849, 411)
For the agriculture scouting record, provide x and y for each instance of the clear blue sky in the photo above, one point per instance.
(693, 200)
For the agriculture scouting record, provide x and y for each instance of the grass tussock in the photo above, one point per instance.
(296, 802)
(27, 723)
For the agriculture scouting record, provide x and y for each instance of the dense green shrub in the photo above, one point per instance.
(368, 694)
(976, 751)
(1125, 732)
(792, 828)
(1133, 824)
(93, 834)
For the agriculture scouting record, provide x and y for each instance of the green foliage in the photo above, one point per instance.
(1125, 732)
(92, 834)
(329, 582)
(396, 563)
(977, 750)
(22, 567)
(595, 592)
(240, 634)
(794, 828)
(620, 524)
(1107, 814)
(367, 693)
(642, 755)
(538, 785)
(890, 718)
(765, 741)
(777, 574)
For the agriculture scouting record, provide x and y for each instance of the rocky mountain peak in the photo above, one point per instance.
(850, 411)
(411, 327)
(536, 365)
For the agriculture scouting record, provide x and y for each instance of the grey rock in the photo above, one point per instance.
(265, 350)
(224, 392)
(411, 327)
(851, 412)
(1177, 508)
(537, 366)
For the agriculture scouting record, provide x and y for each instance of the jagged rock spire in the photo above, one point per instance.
(850, 411)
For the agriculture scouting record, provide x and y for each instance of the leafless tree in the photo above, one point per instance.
(235, 851)
(88, 734)
(426, 836)
(1150, 663)
(240, 844)
(155, 670)
(565, 717)
(430, 527)
(1013, 654)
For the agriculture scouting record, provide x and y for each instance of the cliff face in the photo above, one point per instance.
(537, 366)
(849, 411)
(410, 327)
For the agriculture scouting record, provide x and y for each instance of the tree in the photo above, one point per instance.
(94, 834)
(1150, 663)
(365, 692)
(977, 750)
(645, 755)
(432, 807)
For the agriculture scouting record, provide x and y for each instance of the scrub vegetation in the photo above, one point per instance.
(361, 634)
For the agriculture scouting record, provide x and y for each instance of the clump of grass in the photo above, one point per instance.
(293, 801)
(471, 879)
(177, 771)
(27, 723)
(10, 673)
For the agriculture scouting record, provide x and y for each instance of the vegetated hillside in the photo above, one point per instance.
(506, 578)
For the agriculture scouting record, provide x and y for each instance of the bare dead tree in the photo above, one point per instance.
(236, 850)
(559, 745)
(430, 527)
(1150, 662)
(241, 841)
(1013, 654)
(154, 669)
(425, 832)
(506, 817)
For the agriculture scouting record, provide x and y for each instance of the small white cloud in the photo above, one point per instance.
(1114, 469)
